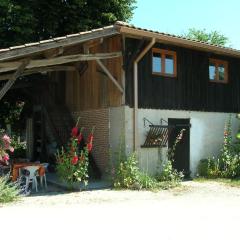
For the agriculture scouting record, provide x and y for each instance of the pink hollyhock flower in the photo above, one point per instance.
(6, 138)
(75, 132)
(74, 160)
(6, 157)
(11, 149)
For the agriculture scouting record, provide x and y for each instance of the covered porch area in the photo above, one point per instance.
(60, 80)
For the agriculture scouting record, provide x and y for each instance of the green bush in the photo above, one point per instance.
(227, 164)
(9, 191)
(169, 174)
(208, 167)
(127, 172)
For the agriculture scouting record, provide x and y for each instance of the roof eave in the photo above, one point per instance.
(69, 40)
(179, 41)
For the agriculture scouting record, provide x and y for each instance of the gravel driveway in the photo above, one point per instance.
(197, 210)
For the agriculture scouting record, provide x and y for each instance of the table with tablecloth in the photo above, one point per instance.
(17, 166)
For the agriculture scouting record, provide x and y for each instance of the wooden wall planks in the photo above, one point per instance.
(191, 89)
(93, 89)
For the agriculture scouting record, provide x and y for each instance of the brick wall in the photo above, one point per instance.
(100, 119)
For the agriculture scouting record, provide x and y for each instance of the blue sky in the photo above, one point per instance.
(177, 16)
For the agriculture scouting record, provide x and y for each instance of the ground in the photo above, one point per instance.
(197, 210)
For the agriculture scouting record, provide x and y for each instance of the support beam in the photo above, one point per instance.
(14, 77)
(11, 66)
(39, 70)
(110, 75)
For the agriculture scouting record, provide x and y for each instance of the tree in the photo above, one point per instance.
(213, 37)
(24, 21)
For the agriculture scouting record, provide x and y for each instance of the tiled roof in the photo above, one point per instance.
(57, 39)
(117, 28)
(124, 24)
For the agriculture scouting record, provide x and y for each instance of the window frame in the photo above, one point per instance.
(216, 63)
(163, 53)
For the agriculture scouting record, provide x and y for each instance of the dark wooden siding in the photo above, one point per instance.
(190, 90)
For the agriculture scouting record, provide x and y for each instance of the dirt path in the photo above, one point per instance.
(207, 210)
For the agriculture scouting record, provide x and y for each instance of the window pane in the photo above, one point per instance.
(212, 71)
(157, 62)
(221, 72)
(169, 64)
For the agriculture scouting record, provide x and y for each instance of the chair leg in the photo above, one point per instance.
(36, 184)
(27, 184)
(45, 181)
(41, 181)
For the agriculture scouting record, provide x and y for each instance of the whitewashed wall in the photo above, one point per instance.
(206, 133)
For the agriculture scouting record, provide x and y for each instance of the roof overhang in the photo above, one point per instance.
(28, 49)
(134, 32)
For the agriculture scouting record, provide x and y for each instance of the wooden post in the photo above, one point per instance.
(14, 77)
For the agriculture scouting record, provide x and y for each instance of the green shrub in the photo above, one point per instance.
(148, 182)
(169, 174)
(208, 167)
(128, 175)
(9, 191)
(127, 172)
(227, 165)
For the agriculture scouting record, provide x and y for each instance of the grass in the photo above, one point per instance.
(9, 191)
(226, 181)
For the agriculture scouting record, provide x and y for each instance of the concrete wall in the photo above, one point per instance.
(206, 134)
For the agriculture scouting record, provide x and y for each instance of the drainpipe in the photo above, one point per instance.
(135, 74)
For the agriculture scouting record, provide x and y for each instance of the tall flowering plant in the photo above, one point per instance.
(72, 161)
(5, 148)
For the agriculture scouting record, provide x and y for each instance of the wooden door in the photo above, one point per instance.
(182, 152)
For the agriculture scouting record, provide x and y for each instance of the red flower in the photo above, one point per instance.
(89, 147)
(75, 132)
(80, 137)
(90, 138)
(90, 142)
(75, 160)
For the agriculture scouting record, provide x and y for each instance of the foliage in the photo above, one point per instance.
(213, 37)
(10, 111)
(227, 164)
(9, 191)
(127, 173)
(5, 147)
(72, 162)
(205, 167)
(34, 20)
(226, 181)
(168, 173)
(19, 148)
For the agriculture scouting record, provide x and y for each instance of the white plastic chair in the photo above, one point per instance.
(32, 177)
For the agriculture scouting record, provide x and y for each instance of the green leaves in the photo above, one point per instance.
(9, 191)
(69, 171)
(213, 37)
(33, 20)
